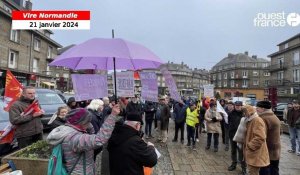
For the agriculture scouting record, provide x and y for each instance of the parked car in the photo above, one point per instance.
(49, 101)
(278, 111)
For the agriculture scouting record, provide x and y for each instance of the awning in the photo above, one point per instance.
(48, 83)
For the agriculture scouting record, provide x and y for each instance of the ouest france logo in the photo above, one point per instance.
(280, 19)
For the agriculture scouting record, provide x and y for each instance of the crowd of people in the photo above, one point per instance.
(251, 133)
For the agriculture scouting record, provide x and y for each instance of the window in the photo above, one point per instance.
(35, 65)
(225, 83)
(280, 75)
(12, 60)
(255, 82)
(264, 65)
(266, 74)
(266, 82)
(219, 76)
(243, 64)
(225, 76)
(296, 75)
(280, 62)
(245, 83)
(48, 72)
(219, 84)
(232, 74)
(37, 44)
(49, 52)
(254, 65)
(245, 74)
(214, 77)
(296, 58)
(286, 45)
(255, 73)
(14, 35)
(232, 83)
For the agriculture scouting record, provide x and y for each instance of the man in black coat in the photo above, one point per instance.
(234, 119)
(128, 152)
(180, 115)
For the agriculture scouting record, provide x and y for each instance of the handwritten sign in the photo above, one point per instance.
(149, 86)
(89, 86)
(209, 90)
(125, 84)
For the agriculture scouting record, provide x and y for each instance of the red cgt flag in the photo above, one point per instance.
(13, 90)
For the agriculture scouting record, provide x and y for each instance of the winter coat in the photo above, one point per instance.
(128, 152)
(164, 117)
(149, 111)
(240, 134)
(273, 125)
(25, 125)
(211, 126)
(75, 141)
(58, 122)
(97, 119)
(292, 116)
(134, 108)
(180, 113)
(106, 111)
(255, 148)
(234, 119)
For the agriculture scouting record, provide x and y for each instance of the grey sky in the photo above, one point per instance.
(198, 32)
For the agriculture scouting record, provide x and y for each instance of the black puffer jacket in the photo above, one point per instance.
(128, 153)
(234, 119)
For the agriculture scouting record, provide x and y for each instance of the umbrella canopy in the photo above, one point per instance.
(98, 54)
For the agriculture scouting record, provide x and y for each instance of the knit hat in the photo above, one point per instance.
(79, 116)
(70, 100)
(238, 103)
(264, 104)
(134, 117)
(250, 110)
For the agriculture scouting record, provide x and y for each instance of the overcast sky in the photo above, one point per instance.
(198, 32)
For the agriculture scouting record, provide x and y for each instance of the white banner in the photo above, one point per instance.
(209, 90)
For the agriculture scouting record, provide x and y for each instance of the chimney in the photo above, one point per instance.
(182, 63)
(246, 53)
(28, 5)
(230, 55)
(254, 56)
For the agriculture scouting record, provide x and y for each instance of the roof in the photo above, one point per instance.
(290, 39)
(284, 50)
(239, 58)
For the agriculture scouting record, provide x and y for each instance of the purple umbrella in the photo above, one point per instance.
(107, 54)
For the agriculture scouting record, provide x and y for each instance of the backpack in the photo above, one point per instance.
(56, 165)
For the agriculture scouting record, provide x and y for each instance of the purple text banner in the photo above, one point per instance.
(89, 86)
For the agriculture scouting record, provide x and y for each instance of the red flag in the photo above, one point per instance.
(136, 75)
(34, 107)
(13, 89)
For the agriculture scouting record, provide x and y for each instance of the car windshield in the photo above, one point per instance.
(3, 114)
(46, 98)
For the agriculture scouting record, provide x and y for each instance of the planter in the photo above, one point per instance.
(31, 165)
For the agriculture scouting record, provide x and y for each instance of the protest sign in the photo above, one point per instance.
(125, 84)
(149, 86)
(209, 90)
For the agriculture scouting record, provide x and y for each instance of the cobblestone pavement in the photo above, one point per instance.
(179, 159)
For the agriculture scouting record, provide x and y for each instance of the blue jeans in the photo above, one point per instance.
(294, 135)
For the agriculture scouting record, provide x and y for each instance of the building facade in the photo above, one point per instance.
(26, 53)
(285, 69)
(239, 75)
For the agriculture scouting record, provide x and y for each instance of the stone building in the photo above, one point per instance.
(285, 69)
(239, 75)
(26, 53)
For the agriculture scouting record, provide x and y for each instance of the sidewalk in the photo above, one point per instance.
(181, 160)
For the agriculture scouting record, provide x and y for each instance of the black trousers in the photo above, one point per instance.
(234, 151)
(272, 169)
(179, 126)
(190, 134)
(223, 131)
(197, 131)
(216, 139)
(26, 141)
(148, 127)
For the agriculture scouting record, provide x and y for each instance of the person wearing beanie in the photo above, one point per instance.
(128, 152)
(273, 125)
(77, 143)
(255, 146)
(293, 120)
(72, 103)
